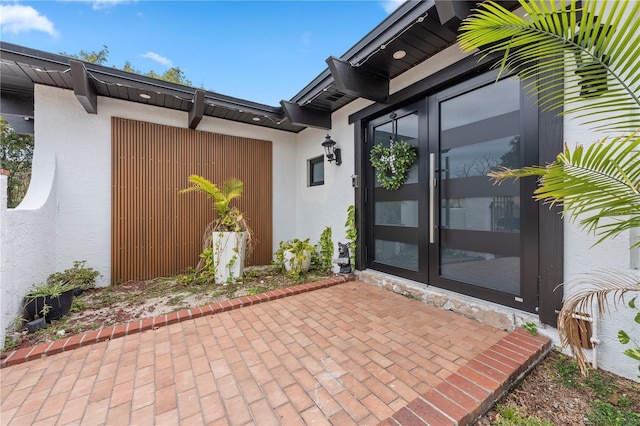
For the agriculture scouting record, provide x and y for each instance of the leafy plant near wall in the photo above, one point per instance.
(352, 232)
(294, 257)
(79, 275)
(325, 248)
(585, 60)
(229, 219)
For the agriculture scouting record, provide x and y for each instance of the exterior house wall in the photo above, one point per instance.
(326, 205)
(27, 239)
(66, 214)
(583, 259)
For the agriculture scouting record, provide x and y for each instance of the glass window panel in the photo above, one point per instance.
(486, 270)
(383, 133)
(500, 213)
(408, 132)
(480, 158)
(398, 254)
(397, 213)
(485, 102)
(316, 171)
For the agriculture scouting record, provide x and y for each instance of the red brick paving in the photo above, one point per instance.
(342, 354)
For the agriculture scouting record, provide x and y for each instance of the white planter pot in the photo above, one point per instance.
(228, 255)
(290, 261)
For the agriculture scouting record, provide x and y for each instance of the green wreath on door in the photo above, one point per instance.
(393, 163)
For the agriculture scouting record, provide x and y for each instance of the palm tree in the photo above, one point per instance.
(583, 61)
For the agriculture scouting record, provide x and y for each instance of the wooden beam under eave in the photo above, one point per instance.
(306, 116)
(452, 12)
(82, 87)
(358, 81)
(197, 109)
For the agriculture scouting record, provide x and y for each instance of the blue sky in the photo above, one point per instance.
(262, 51)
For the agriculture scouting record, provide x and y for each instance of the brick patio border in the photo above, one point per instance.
(472, 390)
(112, 332)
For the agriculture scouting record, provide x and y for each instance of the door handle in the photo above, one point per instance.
(432, 189)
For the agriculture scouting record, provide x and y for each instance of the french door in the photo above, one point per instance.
(395, 243)
(449, 225)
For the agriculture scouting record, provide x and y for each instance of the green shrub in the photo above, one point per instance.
(79, 276)
(605, 414)
(298, 248)
(325, 248)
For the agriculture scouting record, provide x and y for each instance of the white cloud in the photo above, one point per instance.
(160, 59)
(391, 5)
(103, 4)
(16, 18)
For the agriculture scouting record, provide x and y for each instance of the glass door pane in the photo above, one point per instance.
(394, 244)
(478, 223)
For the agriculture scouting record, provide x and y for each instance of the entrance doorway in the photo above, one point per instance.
(449, 225)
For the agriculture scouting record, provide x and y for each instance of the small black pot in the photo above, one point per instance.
(58, 306)
(36, 325)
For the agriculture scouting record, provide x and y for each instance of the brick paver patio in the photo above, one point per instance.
(346, 354)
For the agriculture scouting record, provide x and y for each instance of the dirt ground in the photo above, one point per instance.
(554, 391)
(551, 392)
(132, 300)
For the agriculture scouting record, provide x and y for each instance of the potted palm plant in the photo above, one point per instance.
(228, 236)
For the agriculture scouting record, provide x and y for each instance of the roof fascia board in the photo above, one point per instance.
(36, 58)
(82, 87)
(407, 14)
(109, 75)
(358, 81)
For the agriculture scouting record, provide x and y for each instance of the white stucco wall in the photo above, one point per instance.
(326, 205)
(27, 239)
(583, 259)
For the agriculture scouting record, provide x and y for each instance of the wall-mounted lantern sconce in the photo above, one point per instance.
(330, 150)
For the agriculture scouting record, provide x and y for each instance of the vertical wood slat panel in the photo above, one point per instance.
(248, 162)
(155, 230)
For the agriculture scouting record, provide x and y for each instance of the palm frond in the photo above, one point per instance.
(599, 184)
(231, 188)
(593, 49)
(202, 184)
(602, 288)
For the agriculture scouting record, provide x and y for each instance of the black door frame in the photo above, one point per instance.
(527, 247)
(404, 234)
(549, 251)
